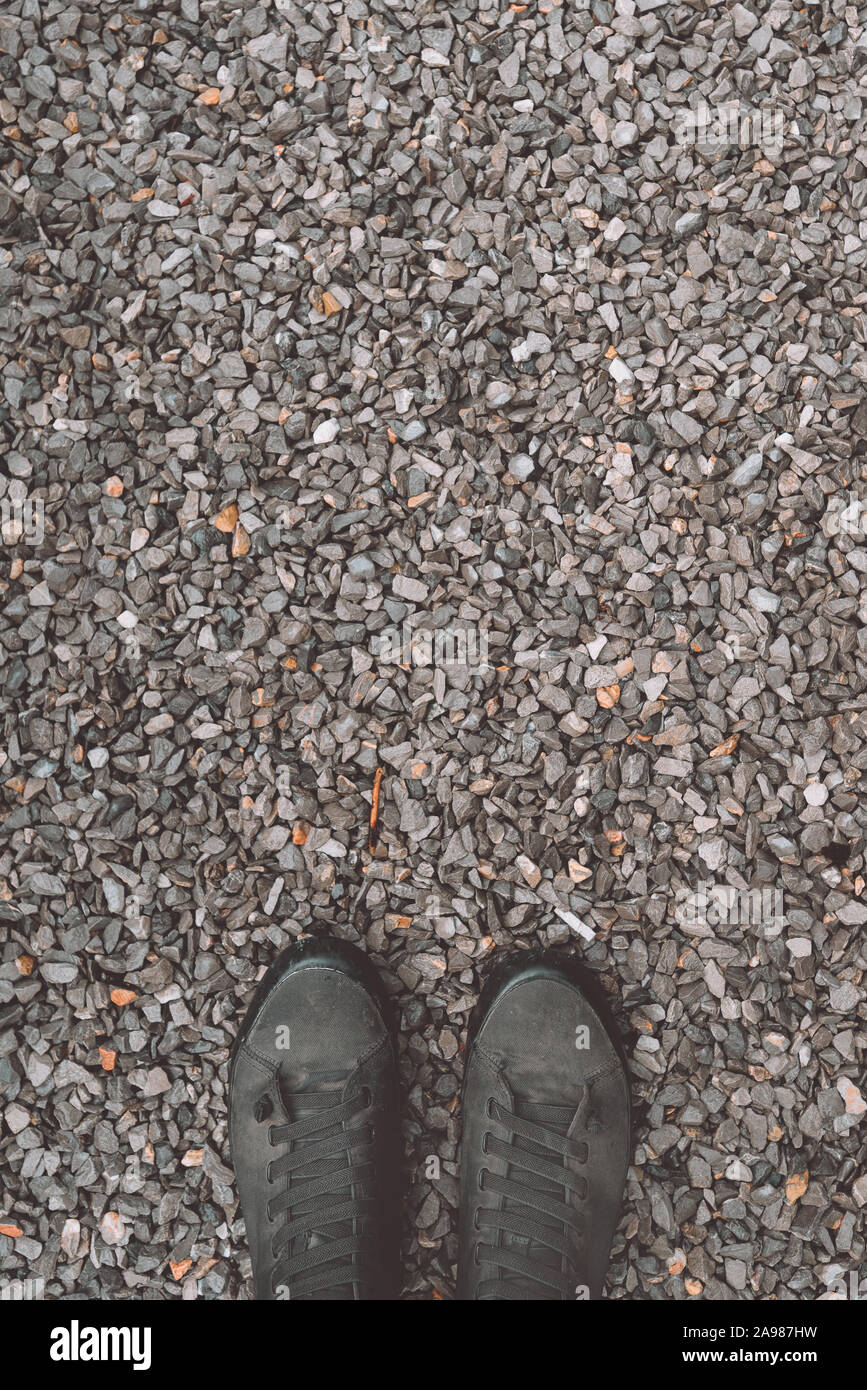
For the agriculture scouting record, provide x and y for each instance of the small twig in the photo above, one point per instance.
(374, 811)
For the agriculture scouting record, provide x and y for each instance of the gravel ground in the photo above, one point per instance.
(460, 413)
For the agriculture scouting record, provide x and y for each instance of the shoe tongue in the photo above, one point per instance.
(553, 1117)
(556, 1117)
(301, 1098)
(309, 1090)
(306, 1095)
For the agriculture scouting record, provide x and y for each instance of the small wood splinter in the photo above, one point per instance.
(374, 811)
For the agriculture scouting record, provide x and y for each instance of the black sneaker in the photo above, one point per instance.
(314, 1130)
(545, 1143)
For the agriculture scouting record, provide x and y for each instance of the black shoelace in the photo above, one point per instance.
(324, 1233)
(536, 1217)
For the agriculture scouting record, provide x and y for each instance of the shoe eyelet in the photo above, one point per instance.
(268, 1177)
(485, 1138)
(480, 1181)
(271, 1136)
(489, 1114)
